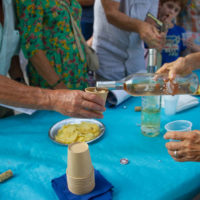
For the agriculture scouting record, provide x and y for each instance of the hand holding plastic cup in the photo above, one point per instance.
(170, 104)
(179, 125)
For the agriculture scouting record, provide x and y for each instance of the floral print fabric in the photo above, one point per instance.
(45, 25)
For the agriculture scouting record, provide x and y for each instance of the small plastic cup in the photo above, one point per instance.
(179, 125)
(170, 104)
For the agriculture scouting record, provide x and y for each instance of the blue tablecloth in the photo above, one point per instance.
(35, 160)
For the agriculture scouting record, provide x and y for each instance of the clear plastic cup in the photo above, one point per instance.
(179, 125)
(170, 104)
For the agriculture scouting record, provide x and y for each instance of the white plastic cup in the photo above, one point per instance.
(170, 104)
(179, 125)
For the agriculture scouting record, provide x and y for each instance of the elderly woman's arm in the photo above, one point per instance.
(31, 24)
(183, 65)
(147, 32)
(86, 2)
(44, 68)
(74, 103)
(188, 149)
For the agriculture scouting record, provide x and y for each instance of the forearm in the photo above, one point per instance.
(193, 61)
(119, 19)
(17, 94)
(86, 2)
(44, 68)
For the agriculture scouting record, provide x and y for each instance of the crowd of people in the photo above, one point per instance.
(119, 32)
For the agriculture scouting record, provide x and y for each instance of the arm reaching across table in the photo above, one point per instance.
(183, 65)
(74, 103)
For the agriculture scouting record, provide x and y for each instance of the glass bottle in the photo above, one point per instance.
(151, 105)
(151, 84)
(150, 115)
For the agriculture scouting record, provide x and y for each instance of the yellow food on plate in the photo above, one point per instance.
(83, 132)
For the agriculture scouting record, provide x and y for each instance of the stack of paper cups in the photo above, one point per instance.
(80, 172)
(102, 92)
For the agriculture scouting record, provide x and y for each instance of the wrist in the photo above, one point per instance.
(138, 26)
(50, 100)
(188, 64)
(58, 82)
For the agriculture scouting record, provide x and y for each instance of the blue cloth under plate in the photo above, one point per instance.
(102, 190)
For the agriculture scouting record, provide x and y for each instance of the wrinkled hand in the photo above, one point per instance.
(188, 149)
(76, 103)
(177, 67)
(150, 35)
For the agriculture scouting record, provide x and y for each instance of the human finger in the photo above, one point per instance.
(163, 69)
(92, 106)
(174, 146)
(169, 69)
(156, 35)
(196, 131)
(177, 135)
(180, 156)
(172, 73)
(177, 157)
(90, 114)
(93, 98)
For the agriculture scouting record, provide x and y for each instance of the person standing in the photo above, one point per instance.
(119, 29)
(167, 13)
(48, 42)
(188, 146)
(9, 47)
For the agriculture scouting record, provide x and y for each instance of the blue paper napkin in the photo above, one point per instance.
(102, 190)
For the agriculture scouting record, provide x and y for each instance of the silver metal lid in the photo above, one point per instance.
(152, 59)
(153, 52)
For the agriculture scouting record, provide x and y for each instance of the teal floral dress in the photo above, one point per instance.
(45, 25)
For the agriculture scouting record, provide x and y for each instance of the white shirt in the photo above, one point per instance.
(120, 52)
(9, 37)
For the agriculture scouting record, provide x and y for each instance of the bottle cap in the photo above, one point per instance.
(153, 52)
(152, 59)
(124, 161)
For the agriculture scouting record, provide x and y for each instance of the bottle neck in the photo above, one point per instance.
(152, 61)
(118, 85)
